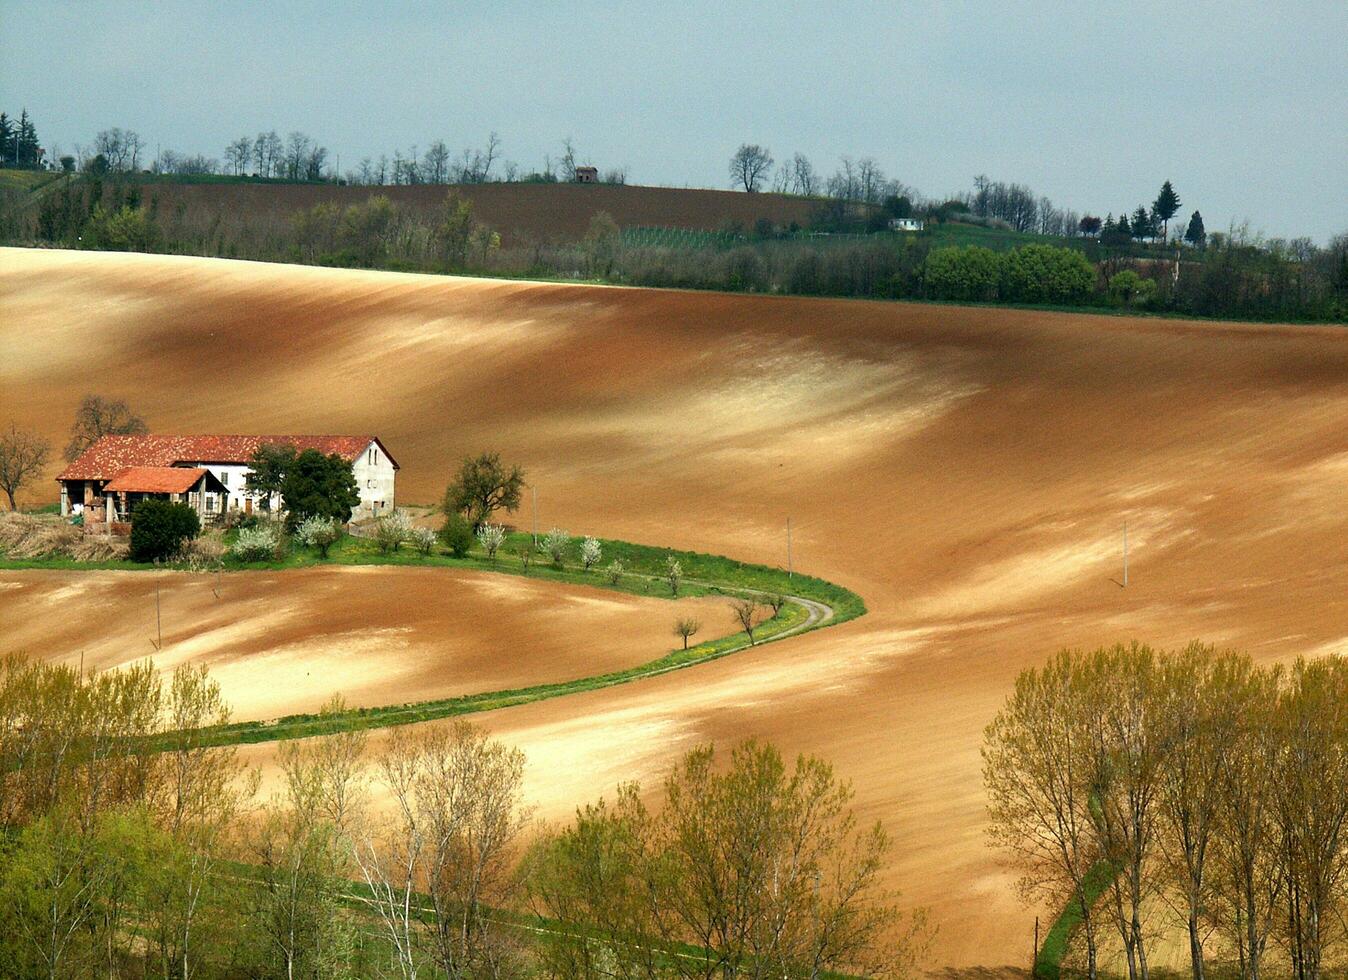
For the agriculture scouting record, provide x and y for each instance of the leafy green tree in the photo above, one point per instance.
(1046, 274)
(1196, 234)
(1166, 205)
(455, 230)
(601, 244)
(1127, 288)
(267, 472)
(483, 486)
(127, 229)
(967, 273)
(457, 534)
(159, 528)
(315, 485)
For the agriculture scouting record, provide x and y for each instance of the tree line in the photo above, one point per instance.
(135, 846)
(1192, 791)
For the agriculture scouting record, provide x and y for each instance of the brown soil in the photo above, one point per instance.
(522, 213)
(968, 471)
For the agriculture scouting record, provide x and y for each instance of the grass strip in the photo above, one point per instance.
(1048, 962)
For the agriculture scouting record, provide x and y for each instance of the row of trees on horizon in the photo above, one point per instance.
(298, 157)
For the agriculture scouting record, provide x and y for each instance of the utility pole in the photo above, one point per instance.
(534, 490)
(1034, 957)
(788, 548)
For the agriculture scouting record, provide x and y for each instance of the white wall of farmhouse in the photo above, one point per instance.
(372, 469)
(375, 477)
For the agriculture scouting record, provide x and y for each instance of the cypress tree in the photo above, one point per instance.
(6, 139)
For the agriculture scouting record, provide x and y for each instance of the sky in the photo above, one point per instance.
(1243, 105)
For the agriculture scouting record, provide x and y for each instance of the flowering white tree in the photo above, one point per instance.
(673, 574)
(554, 545)
(491, 537)
(318, 532)
(615, 571)
(590, 552)
(256, 543)
(391, 530)
(424, 540)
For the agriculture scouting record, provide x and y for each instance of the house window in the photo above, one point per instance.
(224, 477)
(210, 503)
(370, 484)
(372, 456)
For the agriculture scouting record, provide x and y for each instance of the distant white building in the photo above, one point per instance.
(114, 472)
(906, 224)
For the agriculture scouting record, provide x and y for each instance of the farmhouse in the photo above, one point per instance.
(209, 473)
(906, 224)
(587, 175)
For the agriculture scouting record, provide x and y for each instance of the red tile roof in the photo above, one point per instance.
(156, 479)
(112, 454)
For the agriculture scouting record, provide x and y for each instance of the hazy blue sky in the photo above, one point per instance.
(1244, 105)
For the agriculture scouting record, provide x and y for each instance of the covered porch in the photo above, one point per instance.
(197, 487)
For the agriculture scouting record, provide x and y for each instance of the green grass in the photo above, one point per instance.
(1048, 963)
(26, 180)
(645, 568)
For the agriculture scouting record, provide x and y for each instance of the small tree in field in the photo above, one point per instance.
(457, 535)
(159, 528)
(673, 574)
(686, 627)
(483, 486)
(747, 611)
(554, 544)
(318, 532)
(590, 553)
(491, 537)
(615, 571)
(526, 556)
(775, 601)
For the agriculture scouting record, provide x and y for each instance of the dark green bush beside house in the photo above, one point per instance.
(159, 528)
(457, 534)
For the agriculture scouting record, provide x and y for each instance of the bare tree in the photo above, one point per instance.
(458, 815)
(436, 163)
(1038, 757)
(750, 166)
(804, 179)
(22, 458)
(684, 627)
(238, 153)
(267, 151)
(748, 612)
(97, 417)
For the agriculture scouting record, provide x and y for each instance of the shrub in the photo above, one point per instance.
(318, 532)
(202, 552)
(391, 530)
(615, 571)
(968, 273)
(491, 537)
(590, 553)
(457, 534)
(1127, 288)
(423, 539)
(554, 545)
(159, 528)
(260, 543)
(1046, 274)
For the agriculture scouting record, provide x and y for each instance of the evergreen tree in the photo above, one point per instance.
(6, 140)
(1196, 235)
(1141, 223)
(26, 147)
(1166, 206)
